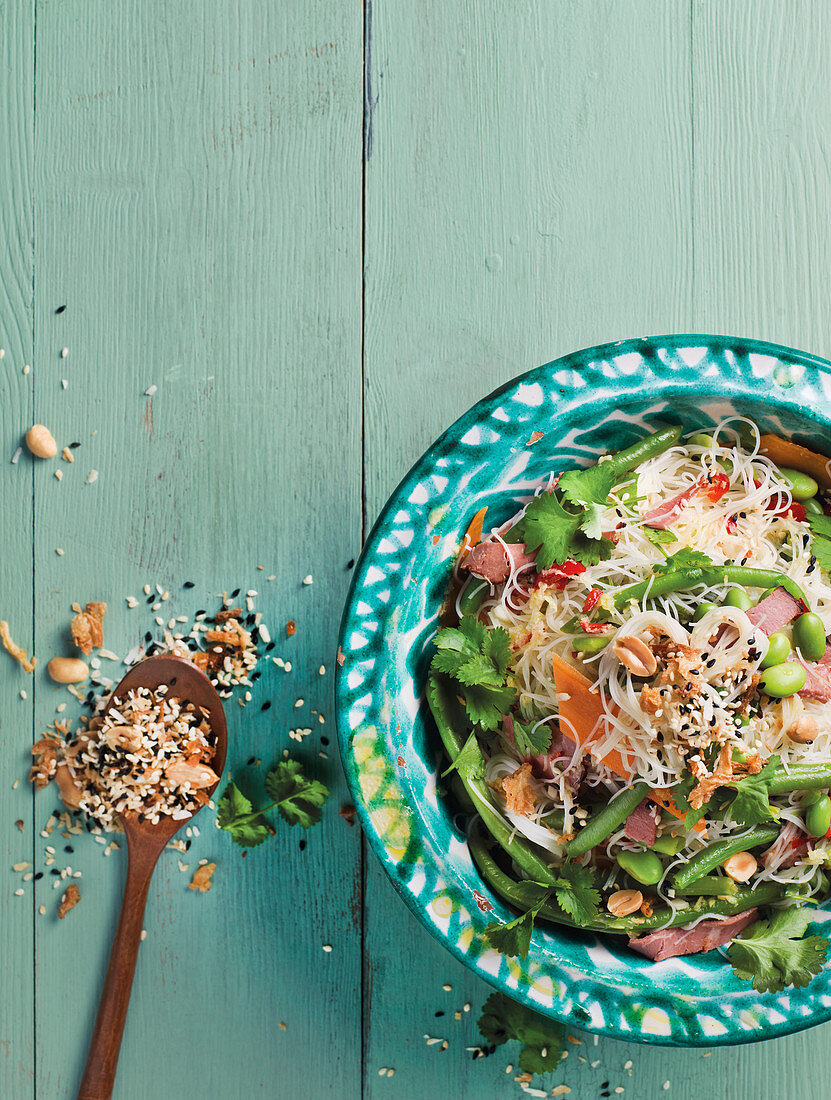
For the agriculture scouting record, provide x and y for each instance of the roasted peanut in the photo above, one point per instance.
(740, 867)
(804, 729)
(67, 670)
(623, 902)
(635, 655)
(40, 442)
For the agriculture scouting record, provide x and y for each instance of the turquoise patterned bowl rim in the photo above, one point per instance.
(584, 403)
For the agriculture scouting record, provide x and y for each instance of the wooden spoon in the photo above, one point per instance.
(145, 843)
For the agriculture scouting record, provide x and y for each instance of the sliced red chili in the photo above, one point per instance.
(719, 484)
(732, 526)
(592, 600)
(594, 628)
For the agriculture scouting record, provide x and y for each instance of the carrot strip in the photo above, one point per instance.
(785, 453)
(473, 535)
(582, 710)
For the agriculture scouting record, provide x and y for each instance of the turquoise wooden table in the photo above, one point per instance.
(317, 231)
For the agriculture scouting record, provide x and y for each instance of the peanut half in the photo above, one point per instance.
(635, 655)
(740, 867)
(623, 902)
(67, 670)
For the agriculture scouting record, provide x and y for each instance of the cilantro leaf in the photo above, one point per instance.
(658, 537)
(470, 763)
(549, 529)
(590, 490)
(751, 806)
(503, 1019)
(576, 893)
(821, 540)
(514, 938)
(684, 559)
(235, 814)
(772, 953)
(298, 799)
(478, 659)
(531, 741)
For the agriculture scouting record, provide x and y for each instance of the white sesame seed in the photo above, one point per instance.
(143, 934)
(627, 1065)
(64, 353)
(447, 988)
(308, 579)
(466, 1008)
(150, 391)
(58, 551)
(26, 368)
(665, 1086)
(42, 909)
(322, 670)
(17, 455)
(298, 703)
(327, 947)
(20, 866)
(59, 475)
(92, 476)
(64, 383)
(18, 893)
(147, 590)
(23, 694)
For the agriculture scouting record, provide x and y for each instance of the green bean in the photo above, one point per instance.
(605, 821)
(782, 681)
(802, 777)
(704, 608)
(644, 867)
(813, 507)
(589, 644)
(737, 597)
(631, 457)
(802, 486)
(779, 650)
(449, 716)
(473, 597)
(634, 925)
(662, 584)
(818, 817)
(714, 854)
(718, 886)
(809, 636)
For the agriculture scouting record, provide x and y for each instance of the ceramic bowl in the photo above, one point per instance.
(583, 404)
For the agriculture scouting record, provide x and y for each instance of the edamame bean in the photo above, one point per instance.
(818, 817)
(589, 644)
(701, 439)
(780, 681)
(811, 797)
(644, 867)
(779, 650)
(802, 486)
(668, 844)
(703, 609)
(812, 507)
(737, 597)
(809, 636)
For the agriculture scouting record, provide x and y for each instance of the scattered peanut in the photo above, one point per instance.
(623, 902)
(40, 442)
(635, 655)
(804, 729)
(740, 867)
(67, 670)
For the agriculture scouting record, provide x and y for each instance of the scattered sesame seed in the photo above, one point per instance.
(466, 1008)
(322, 670)
(665, 1086)
(64, 383)
(59, 551)
(18, 893)
(17, 455)
(143, 934)
(92, 476)
(23, 694)
(64, 353)
(447, 988)
(308, 579)
(627, 1065)
(20, 866)
(59, 475)
(26, 368)
(327, 947)
(150, 391)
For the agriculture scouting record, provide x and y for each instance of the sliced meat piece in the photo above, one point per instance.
(817, 681)
(494, 562)
(640, 824)
(775, 611)
(668, 511)
(672, 942)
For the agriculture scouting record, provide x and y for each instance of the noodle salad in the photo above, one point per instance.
(634, 688)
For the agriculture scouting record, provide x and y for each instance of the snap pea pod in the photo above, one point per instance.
(802, 777)
(473, 597)
(710, 857)
(710, 886)
(605, 821)
(444, 705)
(634, 925)
(662, 584)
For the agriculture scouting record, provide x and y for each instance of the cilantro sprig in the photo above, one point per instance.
(542, 1040)
(573, 891)
(751, 806)
(821, 539)
(773, 953)
(532, 739)
(683, 559)
(478, 659)
(298, 800)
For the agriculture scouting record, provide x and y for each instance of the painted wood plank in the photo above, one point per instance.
(17, 1048)
(198, 211)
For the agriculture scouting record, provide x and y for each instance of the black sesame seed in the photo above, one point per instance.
(69, 848)
(350, 563)
(38, 876)
(270, 646)
(234, 594)
(187, 845)
(189, 584)
(251, 761)
(439, 1013)
(302, 845)
(54, 872)
(60, 309)
(72, 446)
(201, 611)
(255, 676)
(324, 740)
(151, 599)
(266, 705)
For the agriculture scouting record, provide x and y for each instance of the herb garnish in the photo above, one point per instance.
(478, 659)
(297, 799)
(772, 953)
(503, 1019)
(575, 894)
(821, 539)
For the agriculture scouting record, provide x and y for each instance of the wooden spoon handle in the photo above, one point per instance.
(102, 1060)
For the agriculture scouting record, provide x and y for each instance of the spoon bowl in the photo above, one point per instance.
(145, 843)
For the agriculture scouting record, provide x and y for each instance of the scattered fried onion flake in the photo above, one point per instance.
(16, 651)
(88, 627)
(202, 878)
(69, 900)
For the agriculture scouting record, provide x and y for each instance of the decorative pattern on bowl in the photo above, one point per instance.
(593, 401)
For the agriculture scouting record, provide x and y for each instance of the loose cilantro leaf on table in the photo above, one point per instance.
(531, 741)
(821, 539)
(773, 954)
(503, 1019)
(297, 799)
(478, 659)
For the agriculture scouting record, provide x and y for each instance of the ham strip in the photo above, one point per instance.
(494, 562)
(640, 824)
(775, 611)
(706, 935)
(818, 679)
(669, 510)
